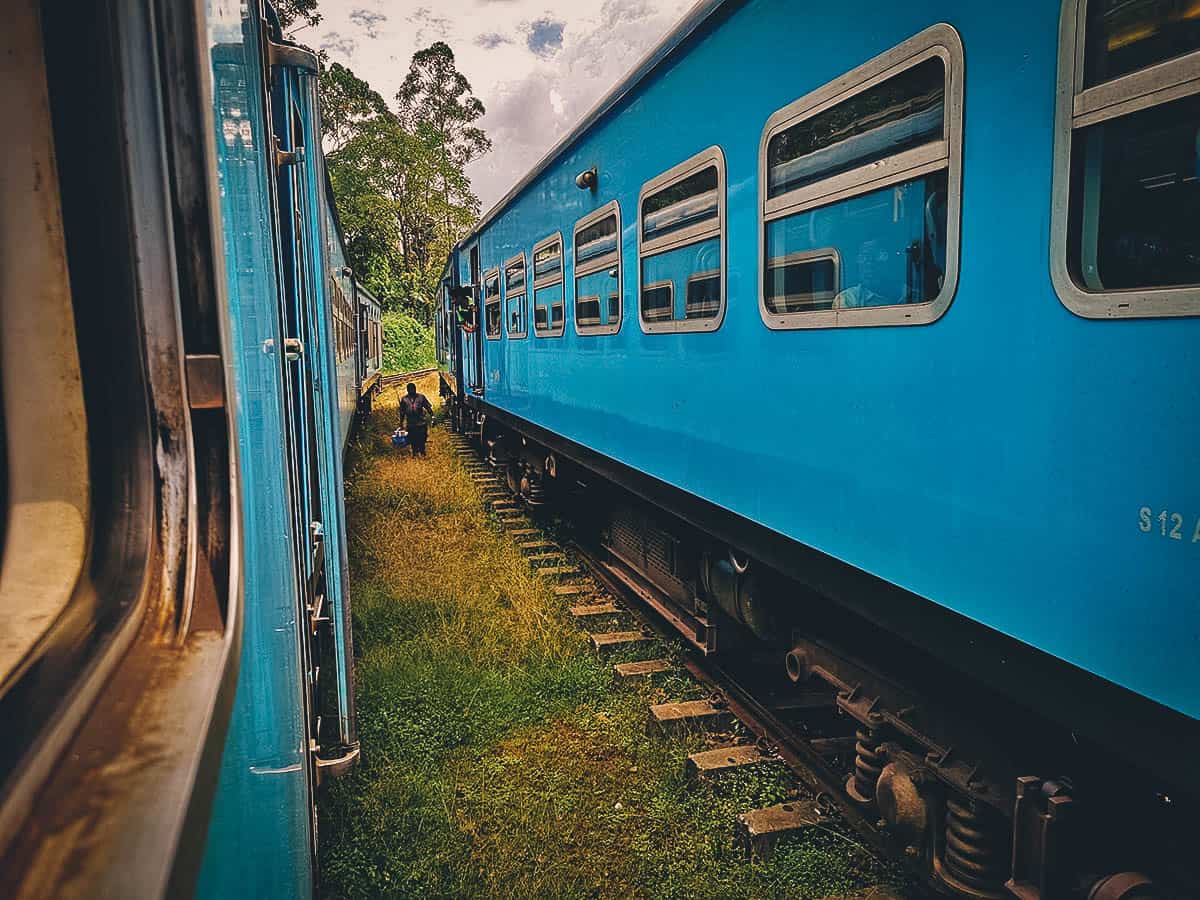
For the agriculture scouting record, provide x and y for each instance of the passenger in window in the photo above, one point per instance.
(873, 258)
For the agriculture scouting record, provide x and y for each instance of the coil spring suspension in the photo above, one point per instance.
(976, 851)
(868, 763)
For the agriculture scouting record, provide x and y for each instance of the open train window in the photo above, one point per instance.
(598, 271)
(491, 304)
(681, 245)
(515, 296)
(1124, 241)
(860, 185)
(548, 317)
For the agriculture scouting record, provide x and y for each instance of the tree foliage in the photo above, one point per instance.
(407, 344)
(398, 176)
(301, 13)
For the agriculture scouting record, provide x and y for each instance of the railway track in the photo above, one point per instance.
(390, 381)
(599, 589)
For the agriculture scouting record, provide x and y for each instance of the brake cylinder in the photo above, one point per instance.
(738, 594)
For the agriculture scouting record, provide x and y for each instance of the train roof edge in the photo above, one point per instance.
(691, 22)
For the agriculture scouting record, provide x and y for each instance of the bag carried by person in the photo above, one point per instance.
(399, 438)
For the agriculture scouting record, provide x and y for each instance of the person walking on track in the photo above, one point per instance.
(415, 410)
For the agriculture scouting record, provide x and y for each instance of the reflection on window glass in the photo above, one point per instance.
(899, 114)
(516, 314)
(596, 240)
(548, 307)
(1126, 35)
(547, 261)
(678, 269)
(684, 203)
(891, 244)
(491, 300)
(514, 277)
(801, 282)
(1137, 217)
(657, 302)
(588, 291)
(703, 296)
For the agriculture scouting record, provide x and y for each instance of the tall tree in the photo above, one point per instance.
(402, 194)
(436, 101)
(347, 103)
(435, 93)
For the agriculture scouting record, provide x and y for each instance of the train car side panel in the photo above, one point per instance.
(264, 789)
(975, 461)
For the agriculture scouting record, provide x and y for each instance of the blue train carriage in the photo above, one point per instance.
(889, 337)
(175, 654)
(370, 347)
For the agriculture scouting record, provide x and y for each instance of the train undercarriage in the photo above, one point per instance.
(982, 796)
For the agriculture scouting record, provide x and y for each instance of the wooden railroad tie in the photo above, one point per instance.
(709, 764)
(546, 557)
(760, 829)
(608, 641)
(605, 608)
(558, 571)
(672, 718)
(572, 590)
(646, 668)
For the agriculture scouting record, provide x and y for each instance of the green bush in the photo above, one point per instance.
(407, 344)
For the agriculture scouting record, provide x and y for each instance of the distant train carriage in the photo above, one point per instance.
(370, 348)
(184, 348)
(885, 320)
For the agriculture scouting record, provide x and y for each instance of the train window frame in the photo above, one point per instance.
(710, 157)
(939, 40)
(549, 281)
(522, 294)
(814, 255)
(1078, 107)
(487, 331)
(653, 286)
(611, 208)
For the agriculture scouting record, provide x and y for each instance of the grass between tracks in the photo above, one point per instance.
(498, 758)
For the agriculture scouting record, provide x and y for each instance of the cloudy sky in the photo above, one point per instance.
(537, 65)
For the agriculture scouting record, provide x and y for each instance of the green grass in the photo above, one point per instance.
(498, 758)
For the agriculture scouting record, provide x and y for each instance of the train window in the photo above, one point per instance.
(491, 304)
(799, 282)
(514, 296)
(548, 318)
(681, 245)
(859, 184)
(1127, 160)
(598, 271)
(658, 301)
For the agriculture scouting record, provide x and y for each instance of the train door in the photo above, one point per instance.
(474, 340)
(300, 414)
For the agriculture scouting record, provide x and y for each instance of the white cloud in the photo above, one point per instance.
(538, 66)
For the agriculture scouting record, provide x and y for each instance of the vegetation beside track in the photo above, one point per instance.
(498, 758)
